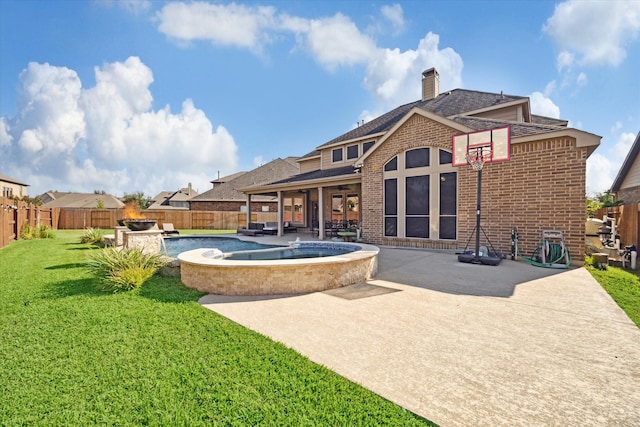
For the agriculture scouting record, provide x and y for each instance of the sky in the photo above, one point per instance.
(127, 96)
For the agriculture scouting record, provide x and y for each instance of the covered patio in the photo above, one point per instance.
(322, 202)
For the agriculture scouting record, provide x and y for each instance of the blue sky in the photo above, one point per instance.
(127, 96)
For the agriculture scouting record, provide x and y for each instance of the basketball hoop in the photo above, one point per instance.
(477, 158)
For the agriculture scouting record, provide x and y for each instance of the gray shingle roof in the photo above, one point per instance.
(318, 174)
(275, 170)
(452, 103)
(83, 200)
(517, 129)
(7, 178)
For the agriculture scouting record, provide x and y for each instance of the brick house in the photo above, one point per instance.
(225, 196)
(394, 177)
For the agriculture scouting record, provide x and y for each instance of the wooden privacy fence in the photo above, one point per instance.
(15, 214)
(199, 220)
(628, 221)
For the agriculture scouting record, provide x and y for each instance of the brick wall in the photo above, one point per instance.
(541, 187)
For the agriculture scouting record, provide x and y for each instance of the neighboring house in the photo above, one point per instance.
(56, 199)
(11, 187)
(626, 186)
(370, 172)
(225, 196)
(178, 200)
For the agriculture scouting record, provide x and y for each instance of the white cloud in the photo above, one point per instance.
(600, 174)
(258, 161)
(393, 77)
(135, 7)
(550, 88)
(543, 106)
(227, 25)
(108, 137)
(336, 41)
(582, 79)
(564, 60)
(5, 136)
(616, 127)
(603, 168)
(395, 16)
(599, 31)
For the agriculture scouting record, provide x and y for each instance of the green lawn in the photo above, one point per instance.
(624, 288)
(73, 355)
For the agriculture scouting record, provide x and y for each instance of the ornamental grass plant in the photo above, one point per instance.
(123, 269)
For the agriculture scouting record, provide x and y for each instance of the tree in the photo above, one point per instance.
(599, 201)
(143, 201)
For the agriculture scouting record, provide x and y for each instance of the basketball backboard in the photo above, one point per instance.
(493, 144)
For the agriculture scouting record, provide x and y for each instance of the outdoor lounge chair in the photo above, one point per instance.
(253, 229)
(167, 228)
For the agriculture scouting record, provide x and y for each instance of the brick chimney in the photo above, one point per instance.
(430, 84)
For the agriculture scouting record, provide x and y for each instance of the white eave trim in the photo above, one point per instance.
(583, 139)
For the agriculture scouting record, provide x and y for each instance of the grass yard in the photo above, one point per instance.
(624, 288)
(73, 355)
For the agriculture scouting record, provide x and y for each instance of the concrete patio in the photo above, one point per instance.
(462, 344)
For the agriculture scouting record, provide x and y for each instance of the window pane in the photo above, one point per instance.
(352, 207)
(391, 196)
(417, 202)
(337, 155)
(352, 152)
(288, 209)
(448, 193)
(336, 207)
(448, 227)
(298, 210)
(392, 165)
(391, 226)
(366, 146)
(418, 227)
(417, 158)
(445, 157)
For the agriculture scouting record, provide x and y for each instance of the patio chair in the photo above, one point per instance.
(167, 228)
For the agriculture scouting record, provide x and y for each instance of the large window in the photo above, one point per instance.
(293, 209)
(421, 195)
(352, 152)
(336, 155)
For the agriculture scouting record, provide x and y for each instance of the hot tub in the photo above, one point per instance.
(260, 274)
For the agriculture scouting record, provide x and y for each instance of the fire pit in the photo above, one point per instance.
(139, 224)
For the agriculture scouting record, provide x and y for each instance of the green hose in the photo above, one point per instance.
(556, 252)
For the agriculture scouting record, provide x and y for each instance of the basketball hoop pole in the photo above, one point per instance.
(478, 204)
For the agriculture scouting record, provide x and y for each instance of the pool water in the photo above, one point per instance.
(176, 245)
(292, 253)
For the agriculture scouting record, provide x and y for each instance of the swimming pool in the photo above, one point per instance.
(295, 251)
(176, 245)
(211, 271)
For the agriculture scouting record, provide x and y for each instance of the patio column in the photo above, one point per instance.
(248, 209)
(320, 214)
(280, 213)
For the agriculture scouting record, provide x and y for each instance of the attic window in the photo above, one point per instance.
(352, 152)
(366, 146)
(336, 155)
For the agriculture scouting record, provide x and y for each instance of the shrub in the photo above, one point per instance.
(43, 231)
(93, 236)
(124, 269)
(28, 232)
